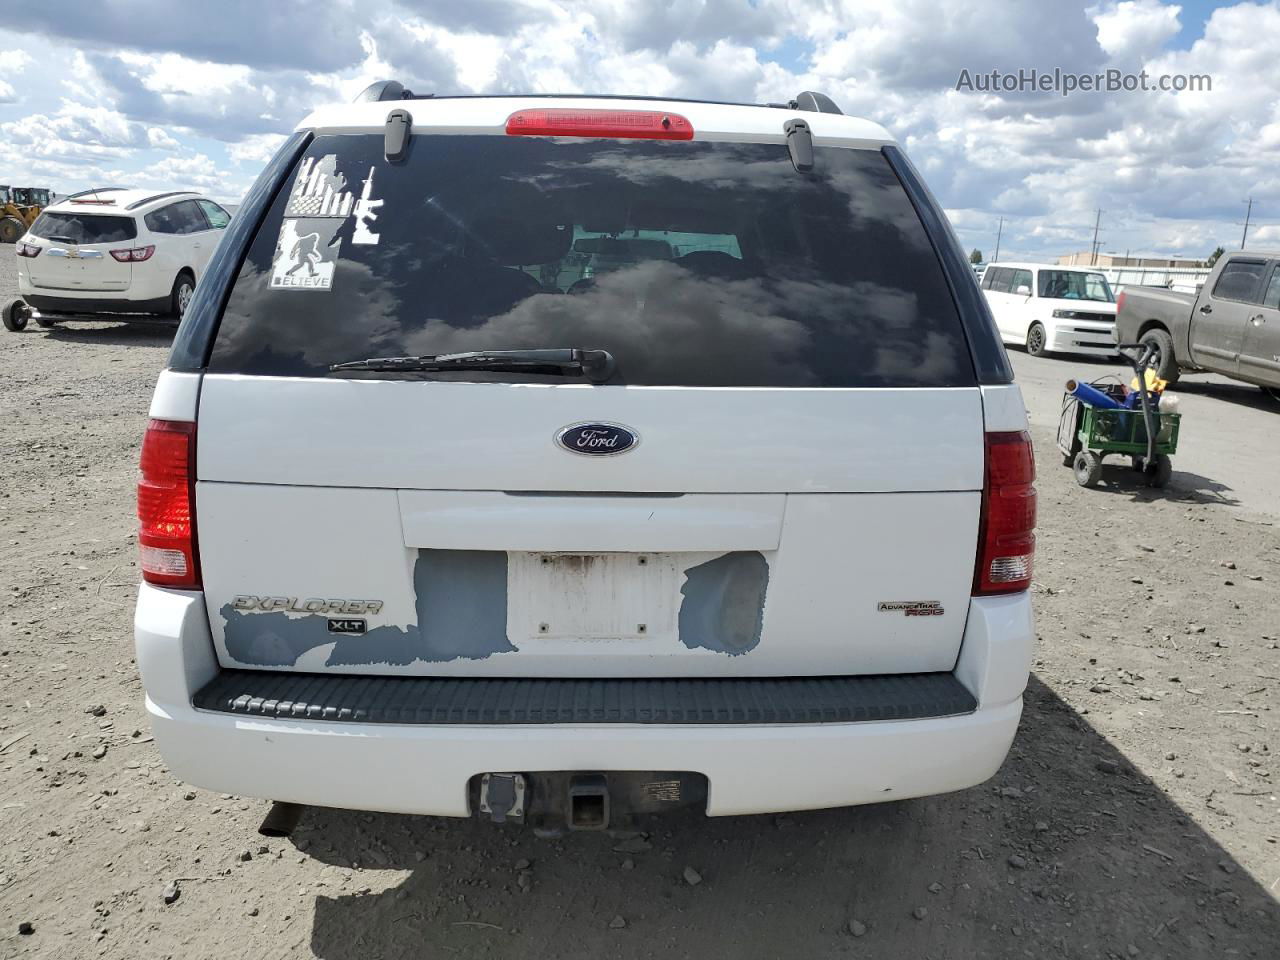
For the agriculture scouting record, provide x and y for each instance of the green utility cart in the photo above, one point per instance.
(1088, 432)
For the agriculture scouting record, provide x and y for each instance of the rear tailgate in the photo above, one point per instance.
(549, 564)
(75, 252)
(803, 493)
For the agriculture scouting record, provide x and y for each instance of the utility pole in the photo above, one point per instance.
(1093, 255)
(999, 233)
(1247, 212)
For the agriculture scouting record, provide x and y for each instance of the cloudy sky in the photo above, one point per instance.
(169, 93)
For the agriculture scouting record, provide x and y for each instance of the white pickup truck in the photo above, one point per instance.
(443, 514)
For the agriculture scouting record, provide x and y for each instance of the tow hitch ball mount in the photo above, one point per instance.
(578, 801)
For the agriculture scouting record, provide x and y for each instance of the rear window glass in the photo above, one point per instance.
(1239, 280)
(84, 227)
(693, 263)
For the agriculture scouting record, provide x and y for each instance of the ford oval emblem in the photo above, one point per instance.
(597, 438)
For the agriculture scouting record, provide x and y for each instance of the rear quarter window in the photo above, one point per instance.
(693, 263)
(78, 228)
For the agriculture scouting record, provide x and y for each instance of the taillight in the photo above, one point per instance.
(27, 249)
(1119, 302)
(134, 254)
(624, 124)
(1006, 536)
(166, 505)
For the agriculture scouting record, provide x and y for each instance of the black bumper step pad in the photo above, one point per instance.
(440, 701)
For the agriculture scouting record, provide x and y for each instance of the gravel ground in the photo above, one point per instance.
(1136, 815)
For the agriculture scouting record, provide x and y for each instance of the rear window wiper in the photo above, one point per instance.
(596, 365)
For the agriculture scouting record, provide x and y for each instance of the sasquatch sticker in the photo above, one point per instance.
(306, 253)
(319, 205)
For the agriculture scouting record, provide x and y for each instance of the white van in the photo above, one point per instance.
(1052, 309)
(554, 458)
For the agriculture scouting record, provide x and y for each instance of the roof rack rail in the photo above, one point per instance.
(813, 102)
(388, 90)
(160, 196)
(85, 193)
(809, 101)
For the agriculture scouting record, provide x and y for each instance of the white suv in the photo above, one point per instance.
(1051, 309)
(115, 253)
(436, 517)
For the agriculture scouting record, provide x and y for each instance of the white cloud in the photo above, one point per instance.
(160, 140)
(1135, 29)
(207, 107)
(254, 151)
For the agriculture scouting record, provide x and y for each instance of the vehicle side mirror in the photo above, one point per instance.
(1023, 290)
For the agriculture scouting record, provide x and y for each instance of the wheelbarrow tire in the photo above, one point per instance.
(1088, 468)
(15, 316)
(1162, 471)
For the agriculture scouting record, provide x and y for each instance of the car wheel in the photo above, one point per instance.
(1088, 468)
(11, 229)
(1164, 362)
(183, 289)
(1162, 472)
(1037, 342)
(46, 322)
(15, 316)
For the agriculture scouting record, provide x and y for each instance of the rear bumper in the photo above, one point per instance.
(95, 304)
(425, 768)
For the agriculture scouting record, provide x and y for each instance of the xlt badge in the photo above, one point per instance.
(350, 627)
(913, 608)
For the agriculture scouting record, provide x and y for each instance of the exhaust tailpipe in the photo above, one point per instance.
(281, 819)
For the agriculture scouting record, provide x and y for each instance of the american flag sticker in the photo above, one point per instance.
(319, 190)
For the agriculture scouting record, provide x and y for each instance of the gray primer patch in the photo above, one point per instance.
(723, 605)
(461, 601)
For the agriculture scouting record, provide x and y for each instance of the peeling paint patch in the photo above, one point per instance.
(723, 603)
(461, 602)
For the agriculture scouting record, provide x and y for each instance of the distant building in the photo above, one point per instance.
(1146, 261)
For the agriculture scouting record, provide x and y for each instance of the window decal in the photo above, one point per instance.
(307, 248)
(366, 213)
(306, 254)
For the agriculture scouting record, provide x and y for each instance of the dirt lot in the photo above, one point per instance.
(1136, 816)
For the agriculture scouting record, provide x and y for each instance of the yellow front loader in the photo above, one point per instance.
(19, 207)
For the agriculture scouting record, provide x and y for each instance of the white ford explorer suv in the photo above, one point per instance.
(113, 253)
(1051, 309)
(554, 459)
